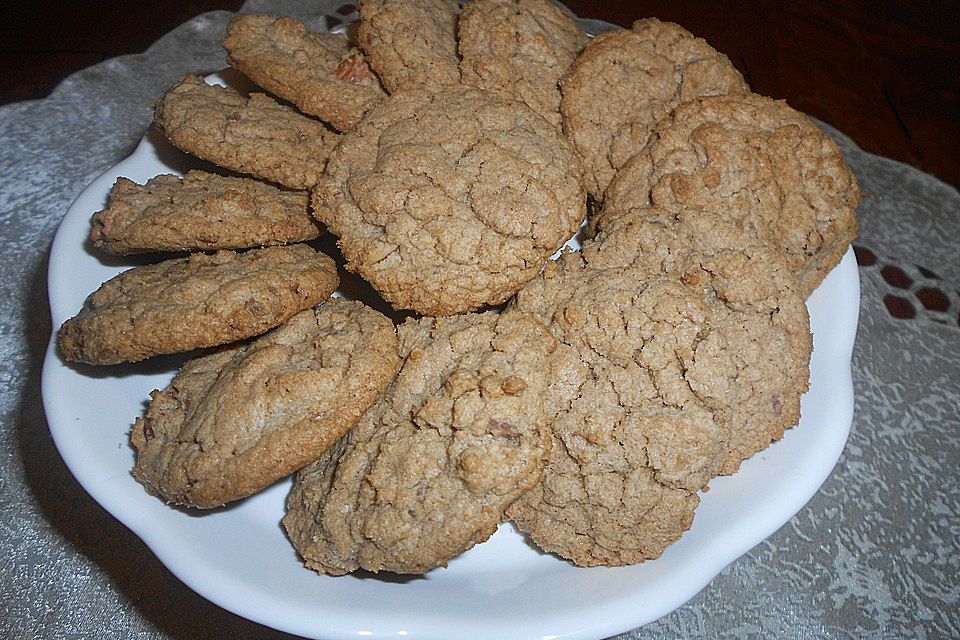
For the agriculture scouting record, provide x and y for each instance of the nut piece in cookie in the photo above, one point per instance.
(411, 43)
(255, 135)
(758, 162)
(200, 212)
(430, 468)
(234, 421)
(640, 419)
(318, 72)
(519, 49)
(765, 325)
(449, 201)
(625, 81)
(199, 301)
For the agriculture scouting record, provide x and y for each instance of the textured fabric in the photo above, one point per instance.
(874, 554)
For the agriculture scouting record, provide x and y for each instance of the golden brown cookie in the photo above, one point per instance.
(694, 347)
(320, 73)
(640, 423)
(627, 80)
(255, 135)
(446, 202)
(760, 163)
(766, 328)
(232, 422)
(429, 469)
(519, 49)
(198, 301)
(411, 42)
(200, 212)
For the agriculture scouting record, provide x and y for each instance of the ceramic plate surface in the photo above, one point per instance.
(239, 558)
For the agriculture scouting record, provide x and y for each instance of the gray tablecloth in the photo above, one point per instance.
(874, 554)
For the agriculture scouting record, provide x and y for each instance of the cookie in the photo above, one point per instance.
(760, 163)
(446, 202)
(411, 43)
(430, 468)
(232, 422)
(320, 73)
(625, 81)
(765, 327)
(198, 301)
(200, 212)
(255, 135)
(519, 49)
(640, 419)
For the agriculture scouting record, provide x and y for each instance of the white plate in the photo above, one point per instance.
(239, 558)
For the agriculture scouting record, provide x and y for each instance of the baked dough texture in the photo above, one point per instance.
(760, 163)
(202, 300)
(639, 429)
(320, 73)
(200, 212)
(411, 43)
(519, 49)
(694, 347)
(255, 135)
(765, 323)
(430, 468)
(625, 81)
(446, 202)
(232, 422)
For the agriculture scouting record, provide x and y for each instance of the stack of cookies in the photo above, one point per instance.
(452, 152)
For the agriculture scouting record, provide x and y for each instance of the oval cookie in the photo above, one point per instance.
(429, 469)
(200, 212)
(446, 202)
(199, 301)
(232, 422)
(519, 49)
(625, 81)
(760, 163)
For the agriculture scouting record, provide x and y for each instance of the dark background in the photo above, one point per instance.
(887, 73)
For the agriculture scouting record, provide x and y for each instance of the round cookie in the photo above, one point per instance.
(411, 43)
(446, 202)
(430, 468)
(641, 416)
(198, 301)
(320, 73)
(232, 422)
(519, 49)
(758, 162)
(252, 134)
(200, 212)
(625, 81)
(766, 328)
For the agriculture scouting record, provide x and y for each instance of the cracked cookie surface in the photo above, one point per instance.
(759, 162)
(625, 81)
(638, 430)
(200, 212)
(232, 422)
(255, 135)
(429, 469)
(693, 345)
(199, 301)
(320, 73)
(762, 316)
(519, 49)
(411, 43)
(448, 201)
